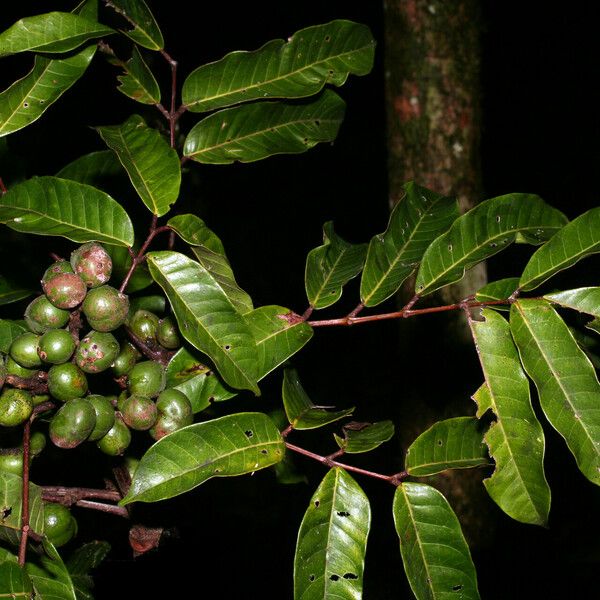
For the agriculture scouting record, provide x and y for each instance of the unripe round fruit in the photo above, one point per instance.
(126, 359)
(62, 287)
(92, 263)
(37, 442)
(116, 441)
(167, 334)
(59, 525)
(56, 346)
(96, 352)
(147, 378)
(144, 325)
(12, 462)
(24, 350)
(72, 423)
(16, 407)
(174, 412)
(139, 412)
(121, 399)
(105, 416)
(41, 315)
(14, 368)
(105, 308)
(67, 381)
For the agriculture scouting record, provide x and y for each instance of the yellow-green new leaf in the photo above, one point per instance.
(516, 440)
(435, 554)
(565, 378)
(232, 445)
(145, 30)
(332, 541)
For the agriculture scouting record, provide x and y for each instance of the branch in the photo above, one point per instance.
(36, 384)
(158, 354)
(25, 495)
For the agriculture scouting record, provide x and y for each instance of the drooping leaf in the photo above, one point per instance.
(484, 231)
(300, 411)
(152, 165)
(498, 290)
(14, 581)
(9, 330)
(11, 292)
(121, 259)
(207, 318)
(575, 241)
(255, 131)
(310, 59)
(50, 577)
(232, 445)
(585, 300)
(193, 230)
(137, 82)
(92, 168)
(81, 562)
(145, 30)
(435, 554)
(417, 219)
(188, 373)
(449, 444)
(330, 267)
(53, 206)
(364, 437)
(566, 381)
(50, 32)
(332, 541)
(11, 486)
(516, 440)
(279, 334)
(217, 265)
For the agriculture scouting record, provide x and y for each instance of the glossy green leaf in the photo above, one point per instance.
(9, 330)
(14, 581)
(49, 576)
(449, 444)
(137, 82)
(279, 334)
(417, 219)
(11, 292)
(566, 380)
(152, 165)
(364, 437)
(189, 373)
(207, 318)
(53, 206)
(330, 267)
(310, 59)
(92, 168)
(482, 232)
(498, 290)
(300, 411)
(575, 241)
(26, 100)
(193, 230)
(217, 265)
(81, 562)
(332, 541)
(121, 259)
(232, 445)
(255, 131)
(11, 487)
(50, 32)
(516, 440)
(145, 30)
(585, 300)
(435, 554)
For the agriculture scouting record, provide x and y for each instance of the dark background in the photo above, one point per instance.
(236, 538)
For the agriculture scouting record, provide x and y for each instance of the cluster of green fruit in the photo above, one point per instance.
(52, 352)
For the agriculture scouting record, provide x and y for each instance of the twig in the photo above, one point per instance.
(120, 511)
(158, 354)
(36, 384)
(71, 495)
(25, 495)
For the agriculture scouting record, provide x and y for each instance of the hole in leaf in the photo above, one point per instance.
(5, 512)
(317, 123)
(263, 451)
(227, 347)
(498, 218)
(25, 104)
(493, 245)
(457, 588)
(311, 577)
(248, 433)
(217, 471)
(42, 101)
(327, 38)
(440, 443)
(317, 503)
(334, 577)
(343, 513)
(450, 247)
(350, 576)
(211, 399)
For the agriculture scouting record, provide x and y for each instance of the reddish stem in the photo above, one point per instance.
(120, 511)
(3, 189)
(25, 495)
(71, 495)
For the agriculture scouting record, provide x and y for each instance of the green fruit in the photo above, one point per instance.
(59, 525)
(96, 352)
(139, 412)
(167, 334)
(56, 346)
(105, 416)
(105, 308)
(121, 399)
(62, 287)
(42, 315)
(125, 360)
(37, 442)
(116, 441)
(147, 378)
(16, 407)
(72, 423)
(92, 263)
(144, 326)
(67, 381)
(131, 464)
(24, 350)
(174, 412)
(14, 368)
(11, 461)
